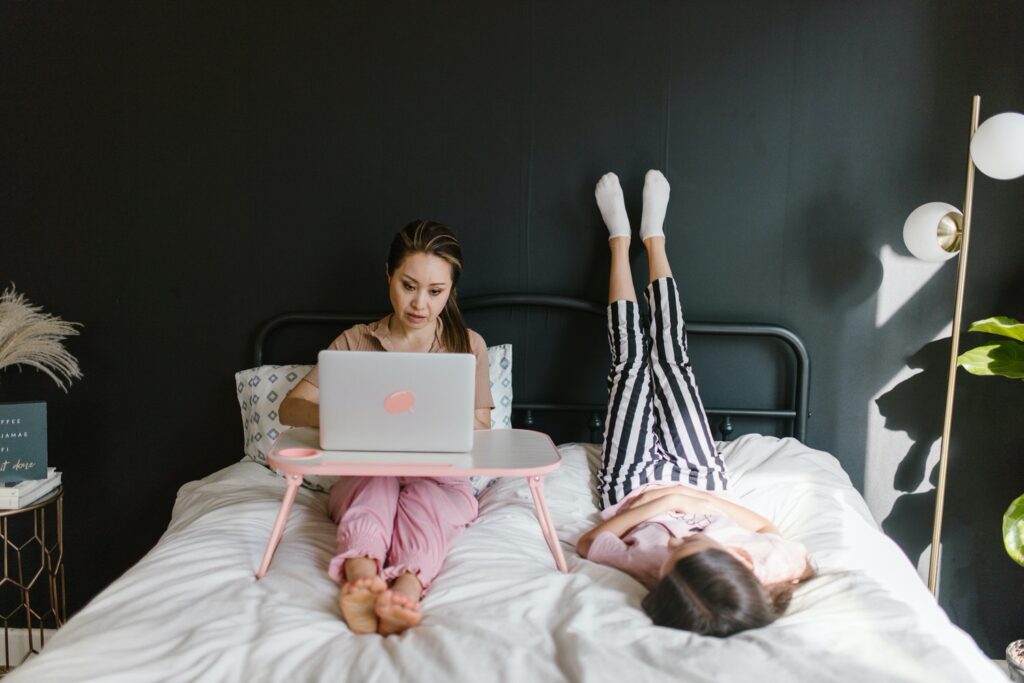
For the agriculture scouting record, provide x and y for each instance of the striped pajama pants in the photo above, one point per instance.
(656, 429)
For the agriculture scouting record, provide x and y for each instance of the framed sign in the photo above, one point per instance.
(22, 441)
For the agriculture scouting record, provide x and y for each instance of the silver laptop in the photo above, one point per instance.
(373, 401)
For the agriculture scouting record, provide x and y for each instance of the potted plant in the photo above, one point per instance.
(30, 337)
(1005, 358)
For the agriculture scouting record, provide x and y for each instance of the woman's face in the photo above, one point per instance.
(419, 289)
(695, 543)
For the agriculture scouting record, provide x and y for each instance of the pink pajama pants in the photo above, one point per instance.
(404, 523)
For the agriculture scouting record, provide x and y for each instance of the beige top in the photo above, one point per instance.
(377, 337)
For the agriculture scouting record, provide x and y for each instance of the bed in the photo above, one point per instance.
(191, 609)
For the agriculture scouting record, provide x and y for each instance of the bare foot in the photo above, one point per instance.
(397, 612)
(357, 599)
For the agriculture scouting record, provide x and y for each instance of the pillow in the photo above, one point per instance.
(499, 358)
(261, 390)
(499, 361)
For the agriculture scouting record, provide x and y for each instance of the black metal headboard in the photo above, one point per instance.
(793, 411)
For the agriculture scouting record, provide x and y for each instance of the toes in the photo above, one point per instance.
(655, 179)
(371, 584)
(608, 180)
(654, 175)
(394, 600)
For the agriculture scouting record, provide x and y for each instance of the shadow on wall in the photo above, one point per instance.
(916, 406)
(841, 257)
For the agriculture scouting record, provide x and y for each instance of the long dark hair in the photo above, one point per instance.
(436, 239)
(712, 593)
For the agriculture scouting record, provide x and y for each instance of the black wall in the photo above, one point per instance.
(172, 174)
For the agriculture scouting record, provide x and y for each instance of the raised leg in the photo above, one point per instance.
(294, 481)
(544, 518)
(682, 424)
(620, 273)
(628, 432)
(629, 441)
(687, 450)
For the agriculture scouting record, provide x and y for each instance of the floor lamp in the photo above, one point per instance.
(937, 231)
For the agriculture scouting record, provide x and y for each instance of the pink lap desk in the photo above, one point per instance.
(497, 453)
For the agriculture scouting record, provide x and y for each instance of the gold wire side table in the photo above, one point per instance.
(32, 590)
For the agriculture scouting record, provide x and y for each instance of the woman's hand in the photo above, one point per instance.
(688, 504)
(629, 517)
(655, 494)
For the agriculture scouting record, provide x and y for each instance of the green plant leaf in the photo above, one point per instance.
(1004, 358)
(1001, 325)
(1013, 530)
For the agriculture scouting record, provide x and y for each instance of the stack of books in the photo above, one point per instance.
(18, 494)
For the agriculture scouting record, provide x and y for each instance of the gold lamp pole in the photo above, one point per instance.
(937, 232)
(950, 244)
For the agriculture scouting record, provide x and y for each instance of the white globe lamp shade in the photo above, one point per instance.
(932, 231)
(997, 147)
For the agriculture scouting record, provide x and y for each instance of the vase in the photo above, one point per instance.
(1015, 660)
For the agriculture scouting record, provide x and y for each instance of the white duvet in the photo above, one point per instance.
(191, 609)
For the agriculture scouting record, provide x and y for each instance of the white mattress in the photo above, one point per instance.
(191, 609)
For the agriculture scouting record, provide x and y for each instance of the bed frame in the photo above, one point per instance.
(792, 414)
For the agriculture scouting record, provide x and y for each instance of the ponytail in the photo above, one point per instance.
(454, 334)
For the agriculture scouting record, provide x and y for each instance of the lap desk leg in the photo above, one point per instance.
(294, 481)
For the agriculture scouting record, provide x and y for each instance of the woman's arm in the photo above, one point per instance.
(301, 407)
(482, 392)
(624, 520)
(714, 505)
(746, 517)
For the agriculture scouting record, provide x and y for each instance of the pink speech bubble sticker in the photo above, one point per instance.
(400, 402)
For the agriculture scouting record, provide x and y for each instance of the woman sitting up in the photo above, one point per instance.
(394, 532)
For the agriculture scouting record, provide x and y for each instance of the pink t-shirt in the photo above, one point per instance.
(643, 551)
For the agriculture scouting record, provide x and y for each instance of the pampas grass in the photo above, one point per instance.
(30, 337)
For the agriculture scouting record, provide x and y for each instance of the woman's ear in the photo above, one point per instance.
(387, 273)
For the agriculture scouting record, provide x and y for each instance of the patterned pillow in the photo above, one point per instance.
(261, 390)
(499, 358)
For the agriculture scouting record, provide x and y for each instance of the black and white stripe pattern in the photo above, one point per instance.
(629, 426)
(682, 425)
(656, 429)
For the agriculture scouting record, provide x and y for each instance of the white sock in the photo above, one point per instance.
(656, 190)
(613, 206)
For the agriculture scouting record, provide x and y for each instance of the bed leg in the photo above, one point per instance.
(544, 517)
(294, 481)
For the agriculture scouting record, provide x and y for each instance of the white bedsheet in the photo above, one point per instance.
(191, 610)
